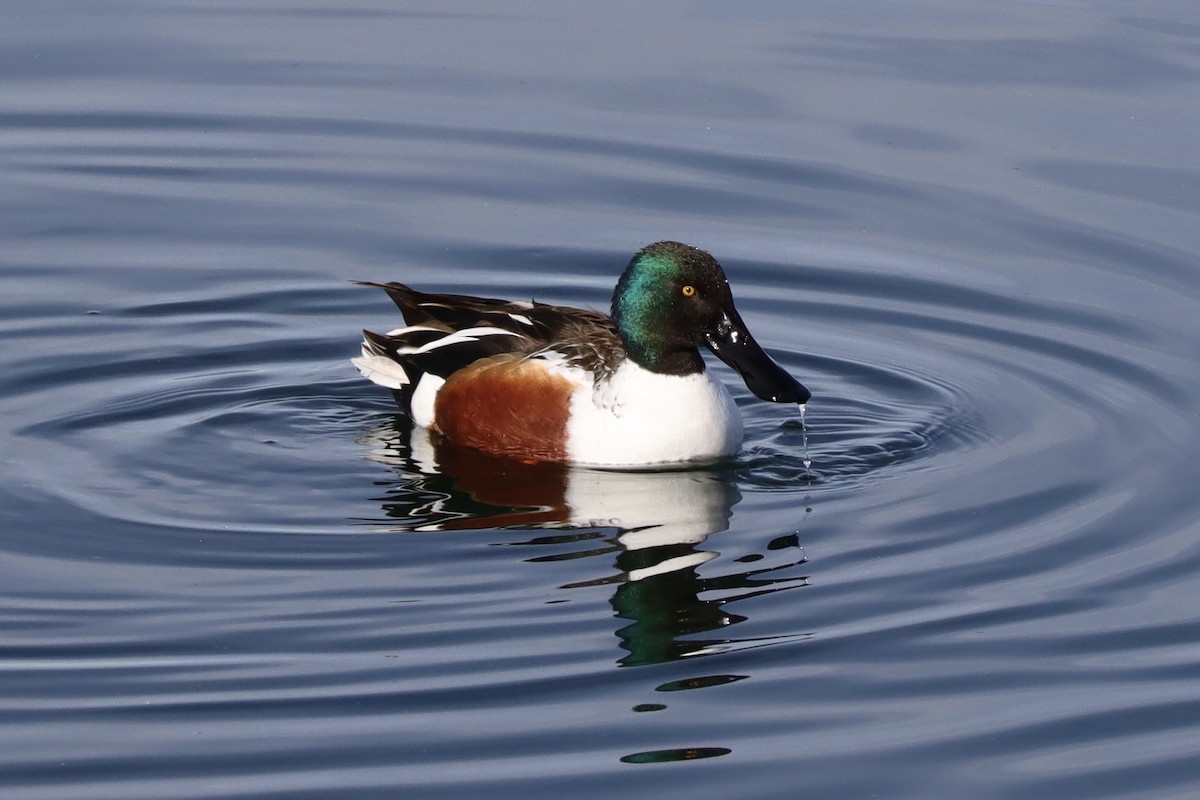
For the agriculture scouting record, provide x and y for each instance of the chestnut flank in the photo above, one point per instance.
(506, 405)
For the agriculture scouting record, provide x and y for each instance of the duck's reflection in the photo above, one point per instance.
(650, 526)
(449, 488)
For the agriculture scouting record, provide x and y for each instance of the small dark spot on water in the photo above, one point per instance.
(702, 682)
(680, 754)
(642, 707)
(784, 542)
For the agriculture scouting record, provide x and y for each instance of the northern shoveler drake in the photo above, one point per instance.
(540, 382)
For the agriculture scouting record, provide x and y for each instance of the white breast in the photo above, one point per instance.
(641, 418)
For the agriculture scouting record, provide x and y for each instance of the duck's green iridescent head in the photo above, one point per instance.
(667, 295)
(671, 299)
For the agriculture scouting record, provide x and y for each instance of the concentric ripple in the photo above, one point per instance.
(229, 569)
(217, 399)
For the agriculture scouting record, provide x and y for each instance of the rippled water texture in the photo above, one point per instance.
(230, 569)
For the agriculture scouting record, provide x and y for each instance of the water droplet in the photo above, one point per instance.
(804, 428)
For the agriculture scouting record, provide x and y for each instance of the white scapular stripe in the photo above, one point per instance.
(465, 335)
(400, 333)
(381, 370)
(385, 371)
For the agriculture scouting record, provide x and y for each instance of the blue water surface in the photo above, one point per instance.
(229, 568)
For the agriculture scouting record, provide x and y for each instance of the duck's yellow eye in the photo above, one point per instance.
(689, 291)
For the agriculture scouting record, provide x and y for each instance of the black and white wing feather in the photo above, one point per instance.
(446, 332)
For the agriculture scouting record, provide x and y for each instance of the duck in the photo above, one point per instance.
(546, 383)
